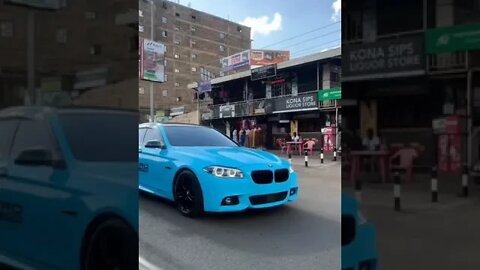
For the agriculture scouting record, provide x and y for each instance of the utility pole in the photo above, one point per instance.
(152, 103)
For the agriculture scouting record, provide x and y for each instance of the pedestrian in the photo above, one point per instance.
(247, 137)
(235, 135)
(242, 137)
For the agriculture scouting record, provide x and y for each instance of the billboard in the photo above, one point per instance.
(152, 60)
(236, 61)
(263, 72)
(268, 57)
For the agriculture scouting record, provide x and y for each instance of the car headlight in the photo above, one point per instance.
(291, 169)
(224, 172)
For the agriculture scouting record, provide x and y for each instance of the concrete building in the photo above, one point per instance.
(282, 104)
(402, 74)
(195, 41)
(77, 47)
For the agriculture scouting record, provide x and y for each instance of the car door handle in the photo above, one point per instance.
(139, 150)
(3, 172)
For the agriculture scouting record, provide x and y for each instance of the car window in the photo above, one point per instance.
(141, 135)
(101, 137)
(196, 136)
(7, 131)
(152, 135)
(33, 134)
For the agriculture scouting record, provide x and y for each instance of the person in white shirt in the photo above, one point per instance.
(295, 137)
(371, 142)
(235, 135)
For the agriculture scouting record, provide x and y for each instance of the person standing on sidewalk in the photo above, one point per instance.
(235, 135)
(242, 137)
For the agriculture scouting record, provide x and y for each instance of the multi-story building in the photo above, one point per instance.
(404, 73)
(195, 42)
(77, 47)
(281, 104)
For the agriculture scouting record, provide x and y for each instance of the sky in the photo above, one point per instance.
(301, 26)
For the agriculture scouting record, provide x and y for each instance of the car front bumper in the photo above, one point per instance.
(248, 193)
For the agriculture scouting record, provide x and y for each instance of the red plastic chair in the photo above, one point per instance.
(406, 156)
(308, 146)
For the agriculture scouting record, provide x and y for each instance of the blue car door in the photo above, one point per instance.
(155, 166)
(141, 158)
(35, 228)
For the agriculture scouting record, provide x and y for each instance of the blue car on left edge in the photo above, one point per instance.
(202, 170)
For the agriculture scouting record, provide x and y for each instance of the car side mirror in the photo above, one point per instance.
(155, 144)
(39, 157)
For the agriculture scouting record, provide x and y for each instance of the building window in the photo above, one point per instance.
(194, 17)
(176, 28)
(177, 70)
(140, 28)
(96, 49)
(176, 56)
(222, 35)
(177, 14)
(164, 5)
(192, 43)
(6, 29)
(194, 69)
(222, 48)
(140, 13)
(179, 99)
(61, 35)
(193, 29)
(239, 29)
(165, 92)
(90, 15)
(194, 56)
(177, 84)
(166, 77)
(164, 20)
(176, 42)
(141, 90)
(164, 34)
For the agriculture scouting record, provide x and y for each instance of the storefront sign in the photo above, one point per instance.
(227, 111)
(236, 61)
(204, 86)
(330, 94)
(305, 102)
(268, 57)
(395, 57)
(454, 38)
(177, 111)
(152, 61)
(264, 72)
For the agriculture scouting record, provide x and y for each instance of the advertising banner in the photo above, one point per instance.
(391, 56)
(227, 111)
(268, 57)
(263, 72)
(303, 102)
(330, 94)
(152, 61)
(455, 38)
(236, 61)
(204, 86)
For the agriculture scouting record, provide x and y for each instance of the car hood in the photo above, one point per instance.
(229, 156)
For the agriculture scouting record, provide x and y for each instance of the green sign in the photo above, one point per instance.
(330, 94)
(455, 38)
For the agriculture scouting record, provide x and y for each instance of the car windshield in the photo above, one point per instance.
(197, 136)
(101, 137)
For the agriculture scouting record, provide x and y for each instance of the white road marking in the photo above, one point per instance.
(147, 265)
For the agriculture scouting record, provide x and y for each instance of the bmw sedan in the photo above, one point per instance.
(202, 170)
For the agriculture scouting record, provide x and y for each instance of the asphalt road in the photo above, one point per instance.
(304, 234)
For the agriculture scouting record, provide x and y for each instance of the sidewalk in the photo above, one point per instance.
(424, 235)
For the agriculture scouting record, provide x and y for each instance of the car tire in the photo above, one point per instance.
(188, 194)
(112, 245)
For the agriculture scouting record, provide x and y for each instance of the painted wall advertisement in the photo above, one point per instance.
(303, 102)
(386, 56)
(268, 57)
(236, 61)
(152, 60)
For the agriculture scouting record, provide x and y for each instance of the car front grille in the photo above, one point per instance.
(281, 175)
(269, 198)
(262, 177)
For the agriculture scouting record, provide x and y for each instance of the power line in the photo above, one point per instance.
(315, 47)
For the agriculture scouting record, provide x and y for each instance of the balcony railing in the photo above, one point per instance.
(263, 106)
(447, 62)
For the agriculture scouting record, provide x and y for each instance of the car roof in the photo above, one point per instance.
(43, 112)
(169, 124)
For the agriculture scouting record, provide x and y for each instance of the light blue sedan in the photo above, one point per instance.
(202, 170)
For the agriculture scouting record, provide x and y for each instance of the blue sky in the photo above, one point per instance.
(277, 20)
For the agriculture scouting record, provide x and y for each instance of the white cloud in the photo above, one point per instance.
(337, 10)
(263, 25)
